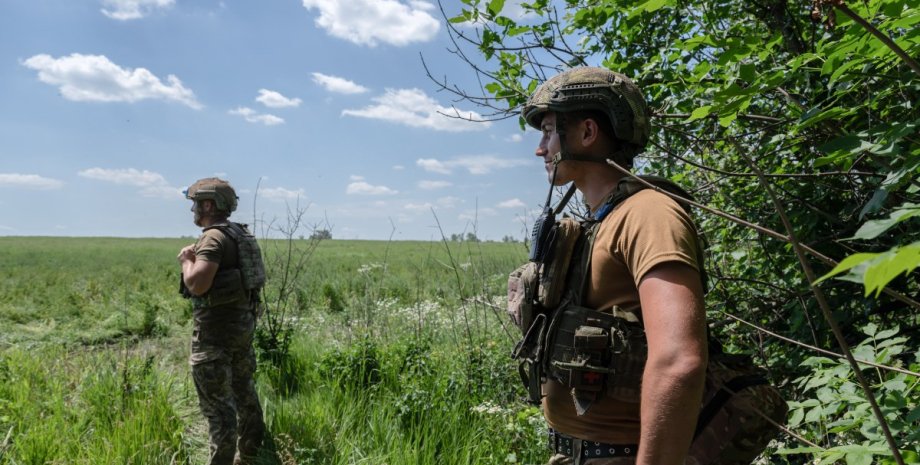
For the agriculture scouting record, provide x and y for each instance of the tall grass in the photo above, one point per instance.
(399, 356)
(92, 408)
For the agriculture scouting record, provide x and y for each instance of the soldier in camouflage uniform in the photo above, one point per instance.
(222, 274)
(644, 271)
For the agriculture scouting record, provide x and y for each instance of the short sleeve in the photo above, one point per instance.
(210, 246)
(650, 229)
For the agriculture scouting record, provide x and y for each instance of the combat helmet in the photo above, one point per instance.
(216, 189)
(599, 89)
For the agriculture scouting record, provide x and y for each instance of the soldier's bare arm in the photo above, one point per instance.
(197, 274)
(675, 323)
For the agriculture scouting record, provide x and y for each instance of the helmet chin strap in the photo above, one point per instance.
(552, 183)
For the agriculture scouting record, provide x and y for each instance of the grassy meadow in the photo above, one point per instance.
(370, 353)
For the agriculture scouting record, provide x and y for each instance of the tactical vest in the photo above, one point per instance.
(242, 284)
(598, 354)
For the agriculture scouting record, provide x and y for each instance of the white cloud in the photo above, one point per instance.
(363, 188)
(412, 107)
(475, 164)
(512, 203)
(128, 176)
(432, 165)
(338, 85)
(123, 10)
(370, 22)
(255, 117)
(449, 202)
(29, 181)
(473, 215)
(431, 185)
(356, 177)
(152, 184)
(93, 78)
(280, 193)
(516, 137)
(418, 207)
(273, 99)
(398, 167)
(162, 192)
(511, 9)
(515, 11)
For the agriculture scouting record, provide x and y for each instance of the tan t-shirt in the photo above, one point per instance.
(647, 229)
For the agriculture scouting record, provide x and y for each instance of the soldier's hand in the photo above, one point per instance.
(187, 253)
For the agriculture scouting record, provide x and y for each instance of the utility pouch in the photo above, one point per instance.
(580, 342)
(522, 295)
(227, 288)
(528, 351)
(628, 355)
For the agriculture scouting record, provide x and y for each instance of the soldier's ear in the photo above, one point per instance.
(588, 132)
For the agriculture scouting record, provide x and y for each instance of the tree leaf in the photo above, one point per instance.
(495, 7)
(648, 6)
(875, 203)
(846, 264)
(890, 265)
(859, 458)
(725, 120)
(800, 450)
(700, 112)
(874, 228)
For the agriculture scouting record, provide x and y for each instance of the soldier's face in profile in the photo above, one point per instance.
(198, 209)
(548, 147)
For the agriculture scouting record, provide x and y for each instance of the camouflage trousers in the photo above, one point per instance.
(227, 397)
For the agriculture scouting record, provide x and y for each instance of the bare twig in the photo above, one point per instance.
(817, 349)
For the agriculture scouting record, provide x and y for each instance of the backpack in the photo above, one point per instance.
(739, 410)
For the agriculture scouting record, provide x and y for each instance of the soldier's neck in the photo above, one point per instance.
(596, 185)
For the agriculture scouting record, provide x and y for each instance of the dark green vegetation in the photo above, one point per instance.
(397, 355)
(799, 118)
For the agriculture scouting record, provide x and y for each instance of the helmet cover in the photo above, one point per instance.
(216, 189)
(591, 88)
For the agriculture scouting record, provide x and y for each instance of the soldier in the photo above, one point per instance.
(643, 273)
(223, 274)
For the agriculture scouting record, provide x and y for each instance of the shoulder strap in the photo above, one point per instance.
(233, 230)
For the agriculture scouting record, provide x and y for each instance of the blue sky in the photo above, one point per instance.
(110, 107)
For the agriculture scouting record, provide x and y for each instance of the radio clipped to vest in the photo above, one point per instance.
(599, 354)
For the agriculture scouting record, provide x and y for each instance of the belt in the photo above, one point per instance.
(576, 448)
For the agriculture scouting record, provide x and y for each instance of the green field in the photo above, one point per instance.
(391, 352)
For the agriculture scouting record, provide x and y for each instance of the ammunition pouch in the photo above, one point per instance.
(594, 353)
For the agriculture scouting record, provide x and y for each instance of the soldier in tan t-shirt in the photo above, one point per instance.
(644, 261)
